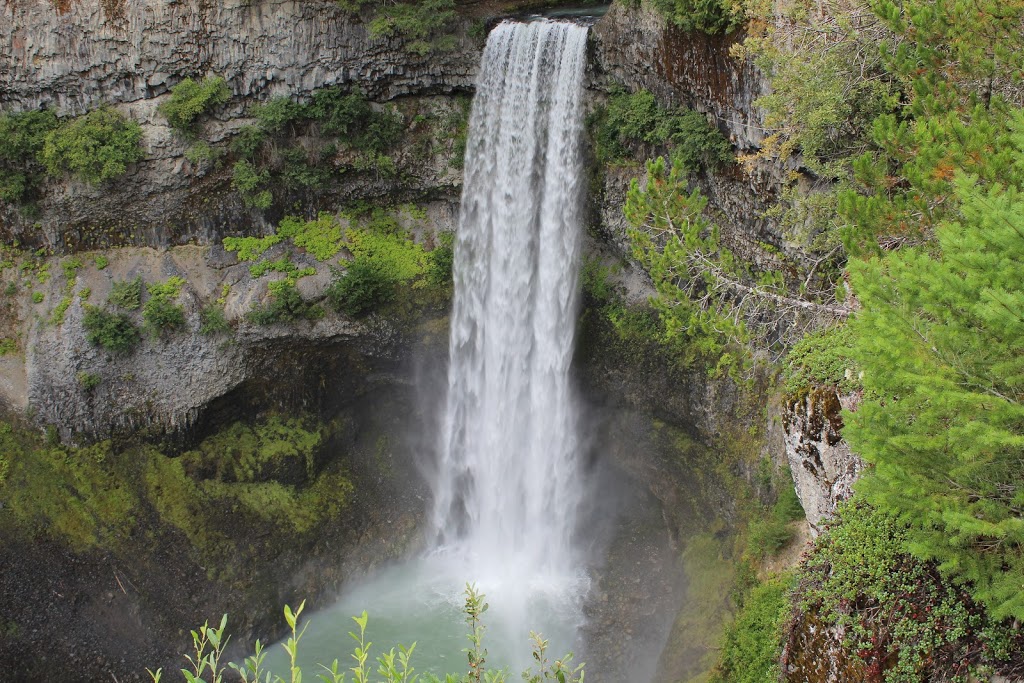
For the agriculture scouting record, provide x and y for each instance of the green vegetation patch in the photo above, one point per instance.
(113, 331)
(821, 359)
(160, 313)
(96, 147)
(190, 100)
(707, 16)
(750, 650)
(250, 248)
(632, 125)
(321, 237)
(22, 138)
(900, 619)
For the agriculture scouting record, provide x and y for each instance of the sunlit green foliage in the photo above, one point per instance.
(707, 16)
(421, 25)
(940, 339)
(190, 100)
(286, 305)
(96, 147)
(250, 248)
(321, 237)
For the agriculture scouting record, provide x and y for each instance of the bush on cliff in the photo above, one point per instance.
(22, 138)
(112, 331)
(191, 100)
(96, 147)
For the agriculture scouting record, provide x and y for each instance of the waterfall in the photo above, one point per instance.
(509, 483)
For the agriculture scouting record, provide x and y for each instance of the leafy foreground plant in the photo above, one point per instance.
(209, 643)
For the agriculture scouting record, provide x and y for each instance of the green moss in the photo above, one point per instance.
(250, 248)
(71, 494)
(322, 237)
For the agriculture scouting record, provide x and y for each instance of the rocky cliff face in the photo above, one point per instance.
(75, 56)
(823, 466)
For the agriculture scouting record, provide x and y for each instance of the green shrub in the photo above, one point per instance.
(278, 113)
(8, 345)
(101, 261)
(160, 314)
(212, 320)
(190, 100)
(750, 651)
(362, 287)
(247, 141)
(821, 359)
(96, 147)
(769, 533)
(286, 305)
(706, 16)
(416, 22)
(126, 294)
(37, 297)
(441, 260)
(88, 380)
(250, 183)
(631, 124)
(898, 616)
(112, 331)
(200, 152)
(351, 118)
(22, 138)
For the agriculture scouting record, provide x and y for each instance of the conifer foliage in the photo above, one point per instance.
(941, 341)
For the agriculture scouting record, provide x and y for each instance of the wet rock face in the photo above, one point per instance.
(823, 466)
(691, 69)
(73, 56)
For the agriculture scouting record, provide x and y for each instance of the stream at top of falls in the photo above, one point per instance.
(508, 483)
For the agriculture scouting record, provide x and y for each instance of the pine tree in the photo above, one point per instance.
(940, 339)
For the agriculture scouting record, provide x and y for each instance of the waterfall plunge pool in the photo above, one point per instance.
(422, 599)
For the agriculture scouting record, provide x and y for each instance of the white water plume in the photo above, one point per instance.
(510, 485)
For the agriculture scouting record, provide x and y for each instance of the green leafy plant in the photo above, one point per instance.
(362, 287)
(251, 184)
(88, 380)
(632, 124)
(286, 305)
(250, 248)
(112, 331)
(321, 237)
(750, 649)
(190, 100)
(160, 313)
(96, 147)
(212, 320)
(22, 138)
(126, 294)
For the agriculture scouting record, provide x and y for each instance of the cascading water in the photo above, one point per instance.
(509, 485)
